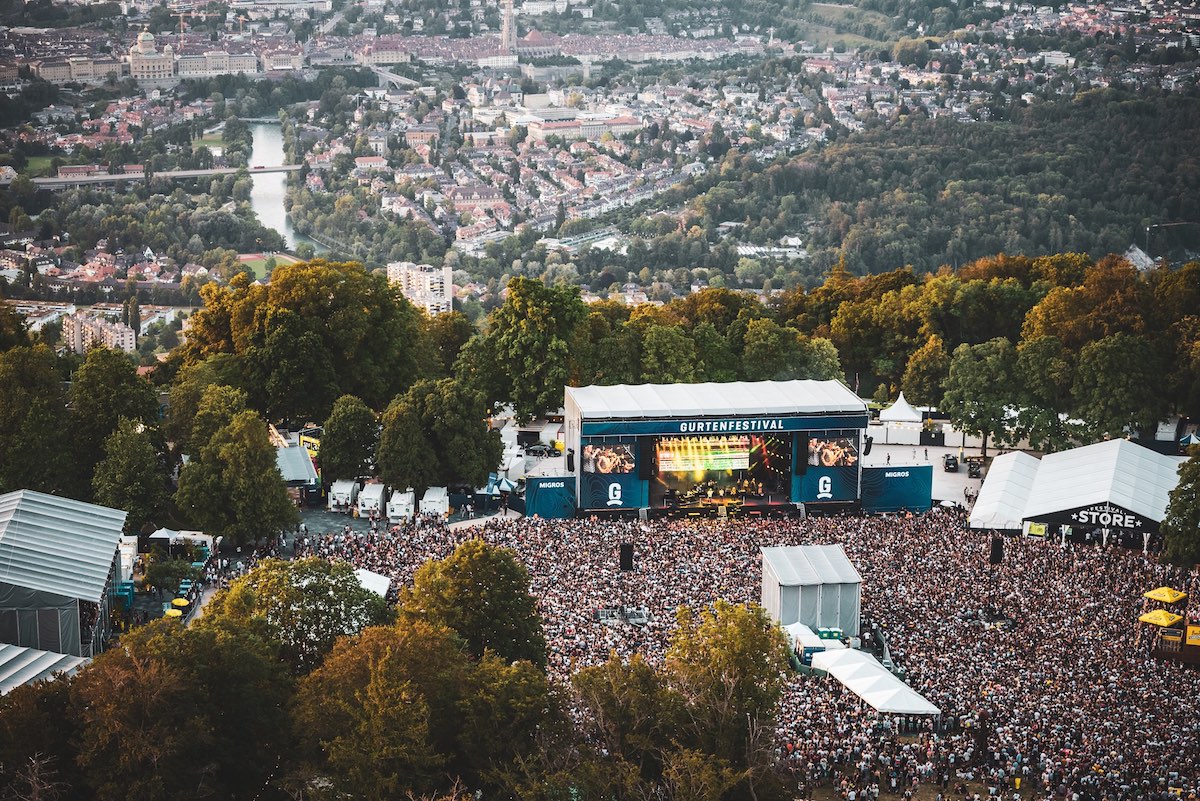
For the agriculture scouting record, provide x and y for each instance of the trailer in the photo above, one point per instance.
(436, 502)
(371, 501)
(402, 506)
(343, 495)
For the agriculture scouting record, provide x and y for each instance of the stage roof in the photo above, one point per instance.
(803, 565)
(57, 545)
(738, 398)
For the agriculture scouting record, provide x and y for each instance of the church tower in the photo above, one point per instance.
(508, 29)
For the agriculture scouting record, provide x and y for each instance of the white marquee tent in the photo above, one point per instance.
(862, 674)
(1118, 475)
(20, 666)
(811, 584)
(1002, 499)
(900, 412)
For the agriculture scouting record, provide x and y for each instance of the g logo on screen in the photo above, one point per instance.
(824, 487)
(614, 494)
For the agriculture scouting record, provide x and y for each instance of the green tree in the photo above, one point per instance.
(104, 390)
(186, 393)
(1045, 373)
(348, 441)
(13, 331)
(769, 350)
(234, 489)
(480, 591)
(925, 376)
(37, 730)
(1181, 526)
(668, 355)
(380, 716)
(980, 389)
(633, 716)
(437, 434)
(1117, 385)
(33, 414)
(166, 574)
(219, 404)
(306, 605)
(131, 476)
(176, 711)
(447, 334)
(817, 359)
(728, 664)
(529, 338)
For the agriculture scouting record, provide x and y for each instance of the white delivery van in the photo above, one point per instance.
(436, 501)
(402, 506)
(372, 500)
(343, 495)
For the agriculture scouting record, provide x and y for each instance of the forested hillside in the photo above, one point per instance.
(1087, 175)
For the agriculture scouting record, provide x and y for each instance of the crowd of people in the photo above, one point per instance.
(1062, 700)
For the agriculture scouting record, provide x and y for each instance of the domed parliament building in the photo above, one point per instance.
(147, 63)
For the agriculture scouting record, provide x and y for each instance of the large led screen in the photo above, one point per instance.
(614, 459)
(699, 454)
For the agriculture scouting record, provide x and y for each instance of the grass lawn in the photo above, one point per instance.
(216, 139)
(258, 263)
(38, 166)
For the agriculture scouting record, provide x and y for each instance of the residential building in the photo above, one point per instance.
(80, 332)
(427, 287)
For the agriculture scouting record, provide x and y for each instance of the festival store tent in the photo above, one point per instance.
(862, 674)
(1002, 498)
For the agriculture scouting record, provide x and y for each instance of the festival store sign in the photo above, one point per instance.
(733, 425)
(1101, 515)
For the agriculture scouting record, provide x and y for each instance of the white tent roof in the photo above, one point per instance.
(374, 582)
(1118, 471)
(862, 674)
(625, 401)
(57, 545)
(797, 565)
(296, 466)
(1002, 498)
(900, 412)
(20, 666)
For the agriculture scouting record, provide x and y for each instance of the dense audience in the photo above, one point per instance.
(1062, 699)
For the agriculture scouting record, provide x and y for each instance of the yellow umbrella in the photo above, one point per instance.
(173, 613)
(180, 602)
(1166, 595)
(1161, 617)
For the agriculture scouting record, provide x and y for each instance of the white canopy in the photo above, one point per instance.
(625, 401)
(1002, 498)
(862, 674)
(900, 412)
(373, 582)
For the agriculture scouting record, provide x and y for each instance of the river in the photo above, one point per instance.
(270, 189)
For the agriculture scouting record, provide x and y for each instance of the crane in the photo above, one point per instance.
(183, 15)
(241, 20)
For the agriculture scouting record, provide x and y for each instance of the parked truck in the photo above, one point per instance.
(402, 506)
(343, 495)
(372, 500)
